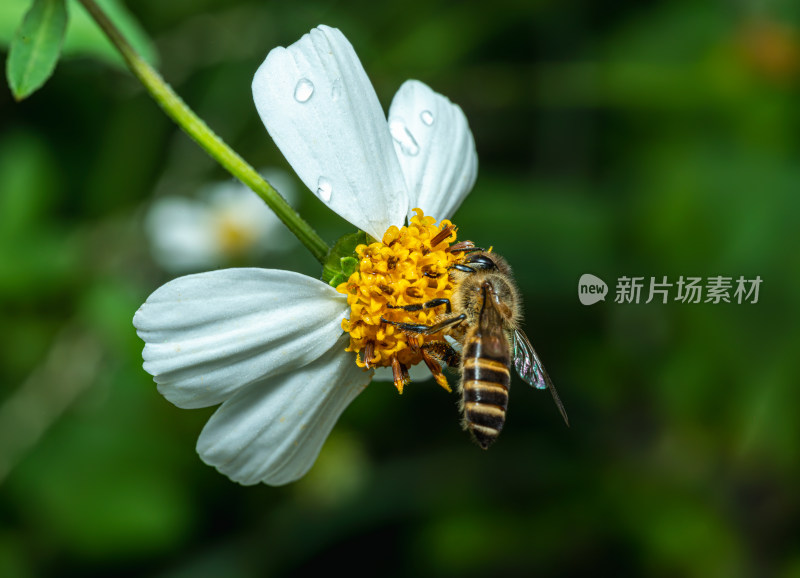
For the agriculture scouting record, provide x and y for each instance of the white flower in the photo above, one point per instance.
(268, 344)
(226, 222)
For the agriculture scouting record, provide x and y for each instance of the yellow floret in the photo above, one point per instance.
(392, 272)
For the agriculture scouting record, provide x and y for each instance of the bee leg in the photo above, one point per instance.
(464, 268)
(434, 367)
(433, 353)
(427, 329)
(443, 351)
(427, 305)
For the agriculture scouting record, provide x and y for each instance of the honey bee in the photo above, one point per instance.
(483, 316)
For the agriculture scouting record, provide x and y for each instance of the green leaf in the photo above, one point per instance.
(84, 38)
(36, 47)
(341, 261)
(11, 14)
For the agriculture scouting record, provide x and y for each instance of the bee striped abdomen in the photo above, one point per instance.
(485, 380)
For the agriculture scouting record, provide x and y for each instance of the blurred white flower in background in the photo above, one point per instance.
(224, 224)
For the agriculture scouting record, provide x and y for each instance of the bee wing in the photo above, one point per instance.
(527, 362)
(530, 369)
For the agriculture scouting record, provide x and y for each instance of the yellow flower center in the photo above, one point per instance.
(409, 266)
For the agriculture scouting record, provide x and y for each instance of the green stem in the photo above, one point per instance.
(205, 137)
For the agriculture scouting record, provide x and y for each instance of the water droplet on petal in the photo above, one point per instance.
(427, 117)
(403, 137)
(303, 90)
(336, 89)
(324, 189)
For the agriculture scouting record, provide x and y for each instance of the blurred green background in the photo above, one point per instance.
(621, 138)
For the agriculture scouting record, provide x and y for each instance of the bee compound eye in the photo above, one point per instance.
(480, 262)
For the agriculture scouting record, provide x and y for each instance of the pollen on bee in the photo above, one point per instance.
(408, 266)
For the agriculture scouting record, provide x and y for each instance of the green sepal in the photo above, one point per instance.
(36, 46)
(349, 265)
(342, 261)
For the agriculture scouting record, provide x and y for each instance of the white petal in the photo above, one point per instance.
(321, 110)
(272, 432)
(208, 335)
(435, 148)
(178, 232)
